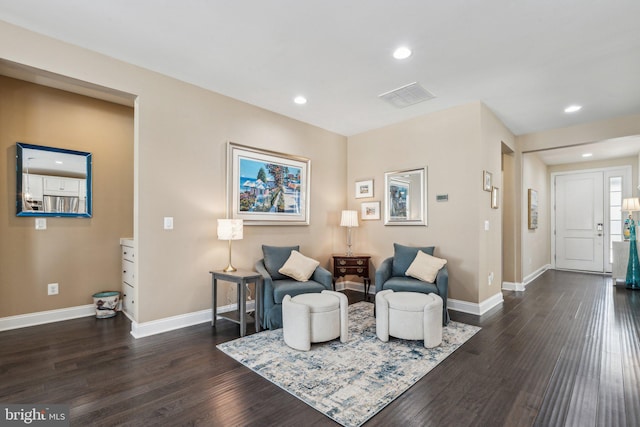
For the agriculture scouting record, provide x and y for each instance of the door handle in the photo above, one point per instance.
(599, 228)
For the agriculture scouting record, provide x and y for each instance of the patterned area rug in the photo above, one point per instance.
(348, 382)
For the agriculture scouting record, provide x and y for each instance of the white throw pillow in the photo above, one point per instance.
(425, 267)
(299, 267)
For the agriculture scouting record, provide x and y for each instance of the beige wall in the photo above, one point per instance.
(580, 134)
(494, 134)
(536, 245)
(603, 164)
(80, 254)
(179, 157)
(455, 145)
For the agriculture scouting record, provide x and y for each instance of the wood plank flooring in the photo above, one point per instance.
(566, 352)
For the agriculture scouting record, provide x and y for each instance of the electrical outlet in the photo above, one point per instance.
(52, 289)
(490, 278)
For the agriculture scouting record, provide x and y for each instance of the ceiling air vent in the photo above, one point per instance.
(407, 95)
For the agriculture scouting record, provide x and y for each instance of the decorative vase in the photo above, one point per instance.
(633, 268)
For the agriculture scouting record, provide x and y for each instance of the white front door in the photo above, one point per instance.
(580, 221)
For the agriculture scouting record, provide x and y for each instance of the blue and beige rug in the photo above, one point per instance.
(348, 382)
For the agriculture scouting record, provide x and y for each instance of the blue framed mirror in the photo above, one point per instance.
(52, 182)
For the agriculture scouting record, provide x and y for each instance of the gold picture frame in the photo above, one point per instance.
(532, 217)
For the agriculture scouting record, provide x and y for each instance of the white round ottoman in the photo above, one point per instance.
(315, 317)
(410, 316)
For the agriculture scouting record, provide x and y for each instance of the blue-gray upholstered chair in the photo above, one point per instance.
(277, 285)
(391, 275)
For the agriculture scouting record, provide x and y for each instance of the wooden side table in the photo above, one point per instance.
(242, 279)
(352, 265)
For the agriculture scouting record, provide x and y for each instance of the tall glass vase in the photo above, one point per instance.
(633, 268)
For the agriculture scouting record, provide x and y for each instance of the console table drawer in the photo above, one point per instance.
(352, 262)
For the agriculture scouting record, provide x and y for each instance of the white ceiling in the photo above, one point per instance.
(526, 60)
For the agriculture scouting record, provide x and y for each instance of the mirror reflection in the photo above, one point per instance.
(52, 181)
(405, 197)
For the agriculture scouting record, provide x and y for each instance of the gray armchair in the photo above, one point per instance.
(277, 285)
(391, 275)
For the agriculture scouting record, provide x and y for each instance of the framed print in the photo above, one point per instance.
(495, 197)
(486, 181)
(533, 209)
(266, 187)
(370, 211)
(364, 189)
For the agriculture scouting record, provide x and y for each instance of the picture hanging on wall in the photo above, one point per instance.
(486, 181)
(370, 211)
(495, 197)
(533, 209)
(266, 187)
(364, 189)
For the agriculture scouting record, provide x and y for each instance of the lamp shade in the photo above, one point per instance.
(631, 204)
(349, 219)
(229, 229)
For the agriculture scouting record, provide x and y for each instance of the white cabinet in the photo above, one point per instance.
(621, 260)
(129, 288)
(57, 186)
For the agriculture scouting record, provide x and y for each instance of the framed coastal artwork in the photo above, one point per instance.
(364, 189)
(266, 187)
(370, 211)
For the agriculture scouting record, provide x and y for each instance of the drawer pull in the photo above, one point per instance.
(360, 262)
(360, 270)
(343, 270)
(342, 262)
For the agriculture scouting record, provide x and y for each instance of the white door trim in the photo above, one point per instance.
(626, 185)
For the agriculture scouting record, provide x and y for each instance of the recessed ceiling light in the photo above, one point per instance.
(573, 108)
(587, 155)
(402, 52)
(300, 100)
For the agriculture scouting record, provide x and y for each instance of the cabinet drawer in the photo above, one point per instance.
(358, 271)
(127, 298)
(127, 272)
(128, 253)
(351, 262)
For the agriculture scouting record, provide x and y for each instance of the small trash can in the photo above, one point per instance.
(106, 304)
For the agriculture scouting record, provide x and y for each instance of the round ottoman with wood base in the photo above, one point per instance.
(314, 317)
(410, 316)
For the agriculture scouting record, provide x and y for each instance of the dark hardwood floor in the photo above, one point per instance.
(564, 352)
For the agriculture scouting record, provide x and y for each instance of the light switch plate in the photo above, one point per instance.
(486, 225)
(168, 223)
(41, 223)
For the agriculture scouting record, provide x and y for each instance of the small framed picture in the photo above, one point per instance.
(370, 210)
(364, 189)
(533, 209)
(486, 181)
(495, 197)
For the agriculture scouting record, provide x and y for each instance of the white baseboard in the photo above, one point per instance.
(354, 286)
(513, 286)
(42, 317)
(145, 329)
(519, 287)
(475, 308)
(533, 276)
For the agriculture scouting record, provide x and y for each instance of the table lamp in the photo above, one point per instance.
(230, 229)
(349, 219)
(633, 267)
